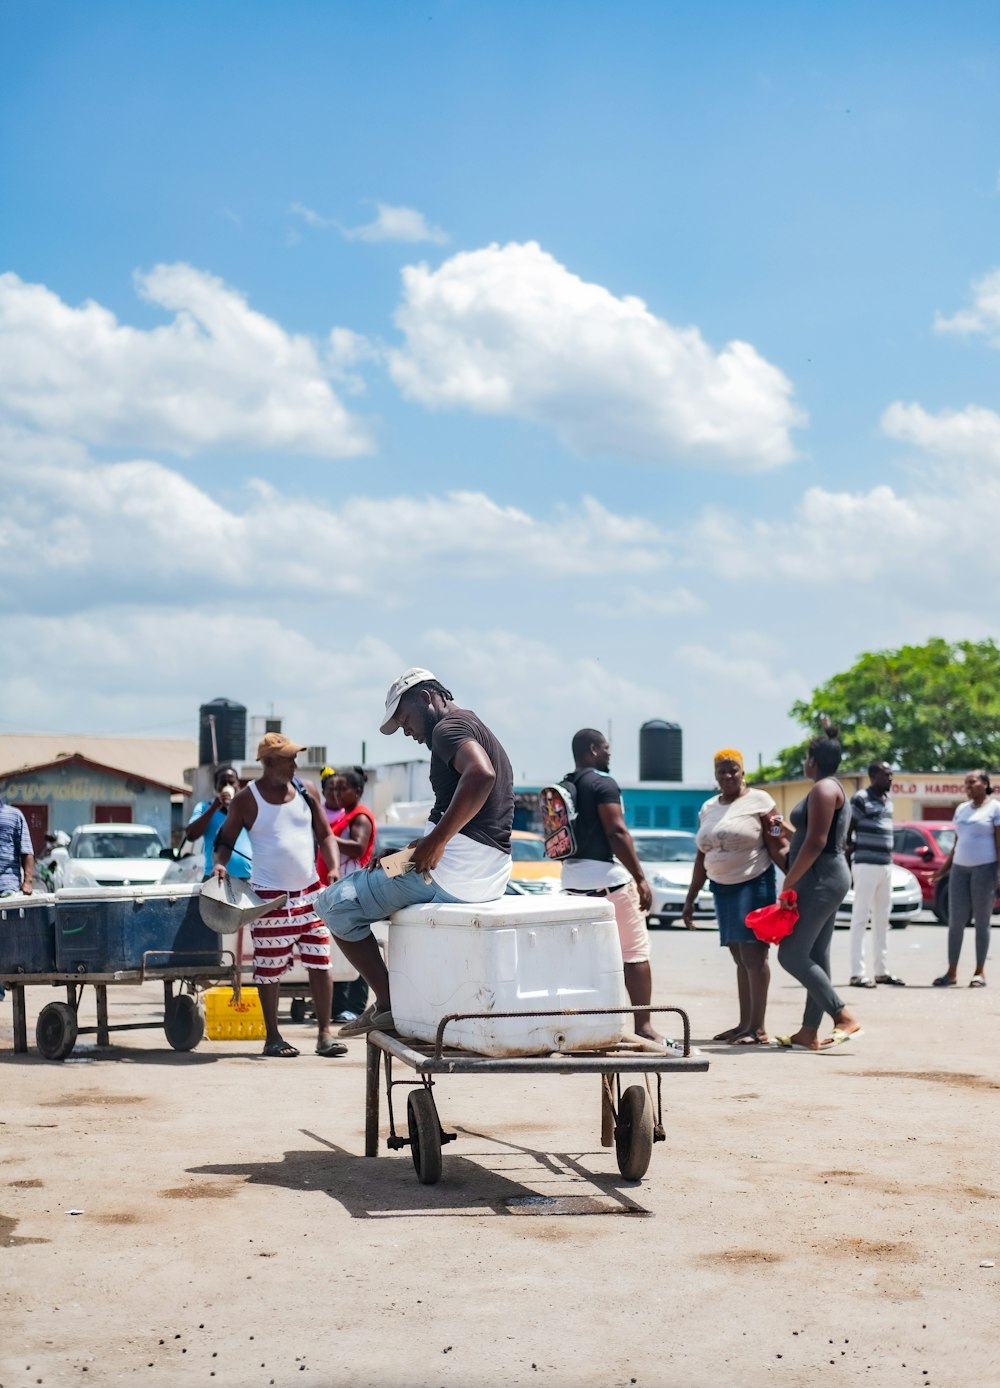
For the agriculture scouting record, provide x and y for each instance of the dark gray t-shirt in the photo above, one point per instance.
(492, 824)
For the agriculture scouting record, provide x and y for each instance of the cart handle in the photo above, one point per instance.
(563, 1012)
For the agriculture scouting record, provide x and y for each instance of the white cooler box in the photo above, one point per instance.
(517, 954)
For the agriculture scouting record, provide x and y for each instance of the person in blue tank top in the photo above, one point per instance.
(209, 817)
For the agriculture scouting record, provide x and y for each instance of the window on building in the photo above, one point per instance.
(640, 816)
(687, 817)
(661, 817)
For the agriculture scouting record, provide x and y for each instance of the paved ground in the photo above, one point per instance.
(810, 1219)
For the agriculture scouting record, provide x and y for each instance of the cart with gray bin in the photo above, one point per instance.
(631, 1117)
(107, 937)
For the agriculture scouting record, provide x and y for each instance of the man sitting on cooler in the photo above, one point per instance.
(465, 851)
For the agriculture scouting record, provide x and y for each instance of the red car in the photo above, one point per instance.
(922, 845)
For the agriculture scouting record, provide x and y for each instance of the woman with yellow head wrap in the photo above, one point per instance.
(735, 858)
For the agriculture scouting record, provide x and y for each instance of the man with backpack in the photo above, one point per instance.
(604, 864)
(284, 821)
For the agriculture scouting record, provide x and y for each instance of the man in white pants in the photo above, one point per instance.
(869, 846)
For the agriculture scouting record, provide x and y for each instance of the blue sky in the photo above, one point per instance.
(210, 495)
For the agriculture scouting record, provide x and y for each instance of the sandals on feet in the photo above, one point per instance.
(281, 1049)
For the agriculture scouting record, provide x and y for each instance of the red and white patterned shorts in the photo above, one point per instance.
(276, 935)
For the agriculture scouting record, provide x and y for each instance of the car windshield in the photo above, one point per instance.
(944, 838)
(389, 838)
(112, 845)
(527, 850)
(677, 848)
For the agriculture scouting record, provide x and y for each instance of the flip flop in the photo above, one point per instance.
(977, 982)
(839, 1037)
(945, 982)
(785, 1043)
(327, 1046)
(281, 1049)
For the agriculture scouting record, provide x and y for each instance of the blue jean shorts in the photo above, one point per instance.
(349, 906)
(735, 900)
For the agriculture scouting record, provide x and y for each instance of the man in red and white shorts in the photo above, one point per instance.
(285, 822)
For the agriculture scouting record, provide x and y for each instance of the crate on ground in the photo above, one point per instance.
(228, 1020)
(28, 934)
(124, 929)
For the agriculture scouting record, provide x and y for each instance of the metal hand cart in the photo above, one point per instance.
(57, 1028)
(628, 1121)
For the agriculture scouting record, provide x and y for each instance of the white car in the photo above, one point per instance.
(907, 899)
(667, 857)
(115, 855)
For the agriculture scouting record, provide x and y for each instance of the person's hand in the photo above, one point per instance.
(645, 893)
(426, 853)
(219, 873)
(376, 859)
(27, 888)
(772, 818)
(788, 898)
(938, 873)
(687, 915)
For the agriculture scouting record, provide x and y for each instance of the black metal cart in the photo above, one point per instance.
(628, 1120)
(57, 1027)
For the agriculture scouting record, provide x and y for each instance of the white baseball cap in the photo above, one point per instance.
(397, 689)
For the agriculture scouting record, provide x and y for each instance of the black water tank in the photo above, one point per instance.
(660, 751)
(230, 720)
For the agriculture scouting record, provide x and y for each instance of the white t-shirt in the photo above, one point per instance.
(975, 842)
(471, 871)
(732, 837)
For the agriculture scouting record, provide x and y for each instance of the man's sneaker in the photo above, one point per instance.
(859, 981)
(346, 1017)
(370, 1020)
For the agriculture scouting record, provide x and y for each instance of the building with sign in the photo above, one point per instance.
(915, 794)
(106, 781)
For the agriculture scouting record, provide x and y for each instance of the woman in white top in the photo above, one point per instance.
(734, 856)
(972, 869)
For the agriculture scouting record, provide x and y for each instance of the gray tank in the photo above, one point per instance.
(230, 720)
(660, 751)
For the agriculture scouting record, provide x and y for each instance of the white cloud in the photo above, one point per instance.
(396, 224)
(169, 535)
(971, 433)
(404, 224)
(982, 317)
(507, 330)
(218, 376)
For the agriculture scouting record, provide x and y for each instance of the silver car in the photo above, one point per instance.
(667, 857)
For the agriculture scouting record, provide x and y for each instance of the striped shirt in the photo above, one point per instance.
(872, 820)
(15, 840)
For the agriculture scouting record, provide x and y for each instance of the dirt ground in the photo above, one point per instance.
(809, 1219)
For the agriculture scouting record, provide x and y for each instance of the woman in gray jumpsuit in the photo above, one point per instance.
(818, 872)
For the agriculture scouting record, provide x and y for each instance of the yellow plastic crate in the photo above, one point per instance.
(226, 1020)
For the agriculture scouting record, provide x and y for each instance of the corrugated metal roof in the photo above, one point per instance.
(163, 759)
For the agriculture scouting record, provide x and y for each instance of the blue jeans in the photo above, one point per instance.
(349, 906)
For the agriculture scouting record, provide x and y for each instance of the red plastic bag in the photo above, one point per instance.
(772, 923)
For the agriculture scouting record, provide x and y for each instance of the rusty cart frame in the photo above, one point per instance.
(627, 1116)
(57, 1027)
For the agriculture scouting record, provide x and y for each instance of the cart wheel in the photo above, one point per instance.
(55, 1030)
(297, 1010)
(184, 1021)
(425, 1136)
(634, 1133)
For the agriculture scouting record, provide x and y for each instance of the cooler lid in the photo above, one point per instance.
(157, 891)
(554, 908)
(20, 902)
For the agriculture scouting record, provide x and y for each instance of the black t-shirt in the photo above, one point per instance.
(493, 823)
(593, 788)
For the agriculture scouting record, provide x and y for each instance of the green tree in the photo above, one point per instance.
(934, 707)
